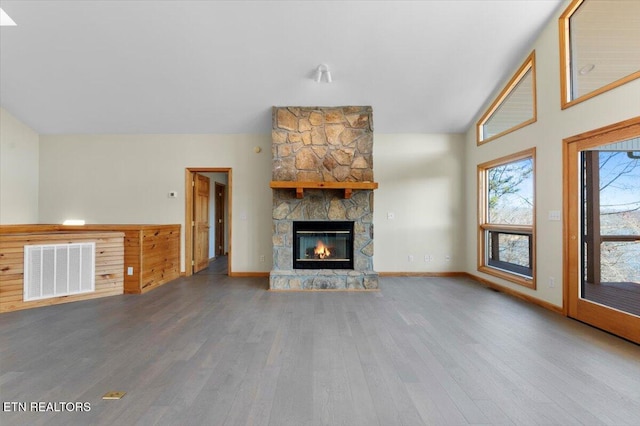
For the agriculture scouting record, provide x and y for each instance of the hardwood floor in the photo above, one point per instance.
(214, 350)
(217, 266)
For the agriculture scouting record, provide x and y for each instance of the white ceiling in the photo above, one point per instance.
(218, 66)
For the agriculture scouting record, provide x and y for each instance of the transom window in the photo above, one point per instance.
(599, 47)
(515, 106)
(507, 218)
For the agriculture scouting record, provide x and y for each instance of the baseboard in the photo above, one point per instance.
(422, 274)
(248, 274)
(514, 293)
(324, 290)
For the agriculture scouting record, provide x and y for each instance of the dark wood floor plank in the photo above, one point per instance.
(624, 296)
(211, 349)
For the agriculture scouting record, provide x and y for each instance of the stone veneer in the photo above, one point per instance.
(321, 144)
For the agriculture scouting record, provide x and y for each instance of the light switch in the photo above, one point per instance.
(555, 215)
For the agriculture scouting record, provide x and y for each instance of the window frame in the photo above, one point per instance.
(485, 228)
(528, 64)
(565, 62)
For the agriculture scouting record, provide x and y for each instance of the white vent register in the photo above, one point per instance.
(54, 270)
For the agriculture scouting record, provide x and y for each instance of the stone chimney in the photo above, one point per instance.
(322, 144)
(333, 148)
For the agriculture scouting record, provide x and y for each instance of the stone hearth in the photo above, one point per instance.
(320, 144)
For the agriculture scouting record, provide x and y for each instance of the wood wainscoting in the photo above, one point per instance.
(152, 251)
(109, 271)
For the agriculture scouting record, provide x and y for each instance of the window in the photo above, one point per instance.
(599, 47)
(507, 218)
(514, 108)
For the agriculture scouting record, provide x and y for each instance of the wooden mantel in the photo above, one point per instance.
(348, 187)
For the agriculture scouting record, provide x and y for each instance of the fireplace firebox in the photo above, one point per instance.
(322, 245)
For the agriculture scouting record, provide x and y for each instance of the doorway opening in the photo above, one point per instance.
(208, 219)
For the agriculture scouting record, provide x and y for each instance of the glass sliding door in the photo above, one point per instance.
(610, 227)
(602, 232)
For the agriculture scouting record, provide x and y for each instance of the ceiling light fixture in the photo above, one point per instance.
(586, 69)
(323, 70)
(5, 20)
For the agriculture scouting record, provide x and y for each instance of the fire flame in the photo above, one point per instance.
(321, 250)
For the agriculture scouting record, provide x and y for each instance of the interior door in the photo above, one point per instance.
(602, 232)
(221, 196)
(200, 222)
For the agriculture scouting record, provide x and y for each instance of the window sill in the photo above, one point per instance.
(516, 279)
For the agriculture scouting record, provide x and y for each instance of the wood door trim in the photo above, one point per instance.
(188, 230)
(202, 225)
(609, 319)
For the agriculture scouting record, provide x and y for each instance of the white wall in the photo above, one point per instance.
(18, 171)
(127, 178)
(546, 135)
(421, 184)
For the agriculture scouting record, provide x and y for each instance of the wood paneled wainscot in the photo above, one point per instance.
(109, 266)
(151, 252)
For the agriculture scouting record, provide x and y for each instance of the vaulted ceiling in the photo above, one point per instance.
(209, 66)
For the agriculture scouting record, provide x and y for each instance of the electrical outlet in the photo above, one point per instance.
(262, 258)
(447, 258)
(428, 258)
(410, 258)
(552, 282)
(391, 216)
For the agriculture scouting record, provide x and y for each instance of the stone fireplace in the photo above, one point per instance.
(322, 199)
